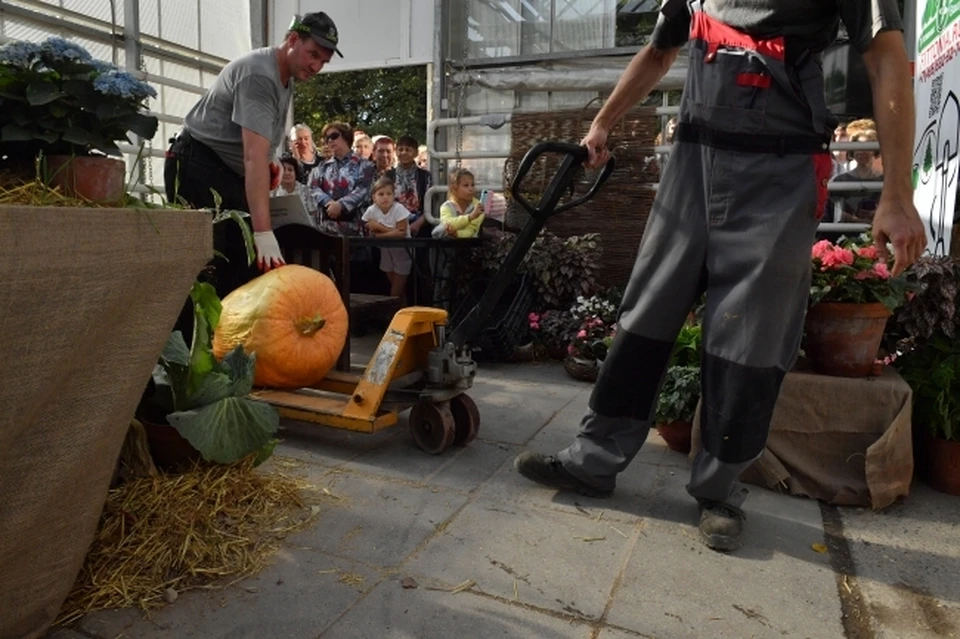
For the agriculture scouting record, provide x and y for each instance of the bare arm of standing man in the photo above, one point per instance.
(256, 167)
(640, 77)
(896, 220)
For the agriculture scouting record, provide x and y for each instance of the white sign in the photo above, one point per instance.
(937, 87)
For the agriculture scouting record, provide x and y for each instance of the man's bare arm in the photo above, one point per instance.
(896, 220)
(892, 87)
(641, 76)
(256, 150)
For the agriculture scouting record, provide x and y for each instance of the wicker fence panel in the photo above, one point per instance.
(620, 209)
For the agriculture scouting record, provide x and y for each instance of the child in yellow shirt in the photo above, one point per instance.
(462, 214)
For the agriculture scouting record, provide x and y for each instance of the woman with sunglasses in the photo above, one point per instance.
(341, 185)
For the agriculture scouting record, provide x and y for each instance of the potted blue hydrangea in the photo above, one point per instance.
(57, 101)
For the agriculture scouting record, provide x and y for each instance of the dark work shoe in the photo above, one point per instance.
(547, 470)
(721, 525)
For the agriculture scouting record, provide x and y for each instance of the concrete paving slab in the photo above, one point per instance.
(331, 447)
(675, 587)
(545, 373)
(908, 564)
(299, 594)
(633, 486)
(391, 611)
(552, 560)
(375, 521)
(513, 411)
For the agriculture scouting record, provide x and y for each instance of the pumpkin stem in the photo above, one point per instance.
(309, 325)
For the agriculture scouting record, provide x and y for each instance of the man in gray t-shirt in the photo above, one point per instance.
(230, 137)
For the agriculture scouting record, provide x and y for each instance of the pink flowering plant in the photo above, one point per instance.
(852, 271)
(592, 340)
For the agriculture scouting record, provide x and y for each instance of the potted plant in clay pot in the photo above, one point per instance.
(924, 339)
(58, 101)
(198, 407)
(553, 330)
(677, 405)
(852, 294)
(677, 401)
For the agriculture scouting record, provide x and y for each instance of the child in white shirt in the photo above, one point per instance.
(388, 218)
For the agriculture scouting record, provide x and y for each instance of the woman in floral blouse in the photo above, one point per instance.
(341, 185)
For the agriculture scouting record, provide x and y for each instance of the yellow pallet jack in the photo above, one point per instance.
(417, 364)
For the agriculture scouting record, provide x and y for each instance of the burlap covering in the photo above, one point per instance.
(844, 441)
(620, 209)
(87, 300)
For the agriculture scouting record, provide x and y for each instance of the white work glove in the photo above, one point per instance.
(268, 251)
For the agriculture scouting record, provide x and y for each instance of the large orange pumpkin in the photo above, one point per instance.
(292, 318)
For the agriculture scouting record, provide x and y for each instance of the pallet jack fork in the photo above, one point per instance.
(421, 365)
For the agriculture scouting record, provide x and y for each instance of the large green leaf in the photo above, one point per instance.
(143, 125)
(175, 350)
(43, 93)
(206, 315)
(240, 368)
(228, 430)
(15, 133)
(77, 136)
(214, 387)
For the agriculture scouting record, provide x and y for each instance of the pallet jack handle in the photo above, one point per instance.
(468, 329)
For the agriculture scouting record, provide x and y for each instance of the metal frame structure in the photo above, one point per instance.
(448, 74)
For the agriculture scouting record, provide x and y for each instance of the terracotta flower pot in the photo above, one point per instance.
(170, 451)
(843, 339)
(677, 435)
(939, 460)
(98, 178)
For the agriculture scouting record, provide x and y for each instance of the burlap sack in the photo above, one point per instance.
(841, 440)
(87, 300)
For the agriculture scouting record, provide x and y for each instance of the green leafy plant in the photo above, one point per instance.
(852, 271)
(933, 310)
(207, 401)
(57, 99)
(553, 328)
(933, 372)
(686, 350)
(679, 395)
(560, 269)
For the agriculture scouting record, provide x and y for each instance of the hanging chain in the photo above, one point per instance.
(462, 93)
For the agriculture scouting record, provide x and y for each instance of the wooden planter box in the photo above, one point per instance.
(88, 298)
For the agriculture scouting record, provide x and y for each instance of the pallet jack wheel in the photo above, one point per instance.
(466, 416)
(432, 426)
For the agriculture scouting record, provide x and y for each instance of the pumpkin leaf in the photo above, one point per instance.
(228, 430)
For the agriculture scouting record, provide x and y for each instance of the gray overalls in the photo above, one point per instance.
(735, 216)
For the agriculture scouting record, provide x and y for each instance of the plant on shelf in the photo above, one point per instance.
(57, 99)
(852, 272)
(680, 392)
(923, 339)
(852, 294)
(206, 400)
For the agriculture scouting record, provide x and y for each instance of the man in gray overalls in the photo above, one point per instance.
(735, 217)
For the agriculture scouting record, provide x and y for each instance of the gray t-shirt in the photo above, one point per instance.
(246, 95)
(808, 24)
